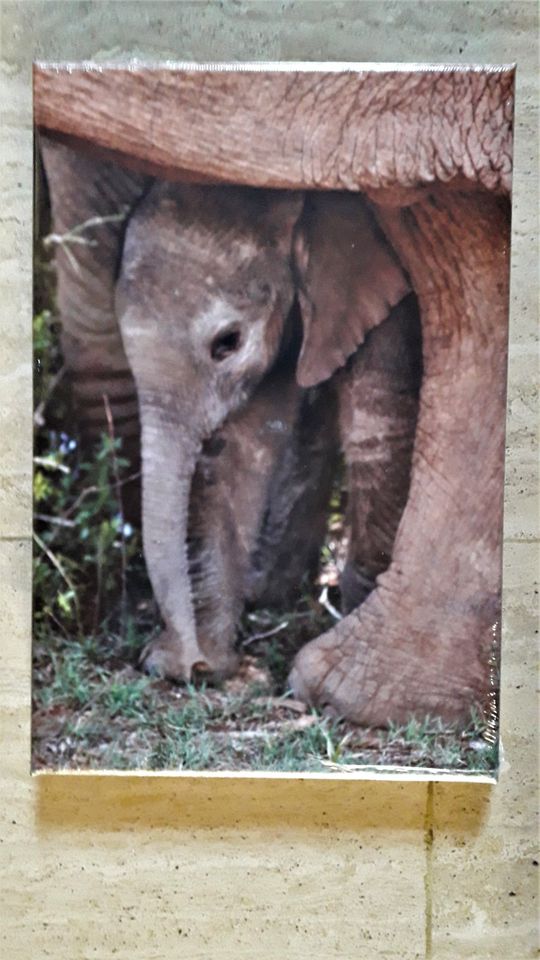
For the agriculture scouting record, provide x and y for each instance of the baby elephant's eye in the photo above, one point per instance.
(259, 291)
(224, 344)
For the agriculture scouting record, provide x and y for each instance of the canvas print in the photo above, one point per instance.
(270, 347)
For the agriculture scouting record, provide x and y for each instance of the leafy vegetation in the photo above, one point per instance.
(83, 547)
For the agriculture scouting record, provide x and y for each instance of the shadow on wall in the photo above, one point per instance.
(111, 802)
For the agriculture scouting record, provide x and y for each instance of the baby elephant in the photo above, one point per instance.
(204, 301)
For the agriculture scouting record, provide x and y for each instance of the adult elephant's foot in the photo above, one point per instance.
(165, 657)
(382, 664)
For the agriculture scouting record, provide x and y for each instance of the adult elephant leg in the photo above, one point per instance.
(421, 642)
(378, 405)
(90, 201)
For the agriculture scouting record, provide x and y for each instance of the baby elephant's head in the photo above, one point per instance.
(204, 290)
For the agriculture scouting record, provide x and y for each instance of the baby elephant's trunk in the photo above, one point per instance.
(169, 457)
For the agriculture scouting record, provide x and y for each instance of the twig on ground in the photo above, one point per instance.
(51, 464)
(57, 521)
(96, 489)
(325, 602)
(256, 618)
(267, 633)
(77, 502)
(59, 624)
(65, 576)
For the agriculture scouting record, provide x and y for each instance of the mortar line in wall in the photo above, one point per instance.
(428, 875)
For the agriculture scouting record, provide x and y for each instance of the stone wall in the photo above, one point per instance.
(137, 868)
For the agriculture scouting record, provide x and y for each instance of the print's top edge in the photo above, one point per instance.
(381, 774)
(300, 66)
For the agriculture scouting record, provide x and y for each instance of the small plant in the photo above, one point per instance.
(82, 544)
(434, 743)
(125, 698)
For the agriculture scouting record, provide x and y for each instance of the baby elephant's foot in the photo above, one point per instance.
(220, 662)
(164, 656)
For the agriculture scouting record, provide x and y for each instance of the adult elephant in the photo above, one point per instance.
(432, 151)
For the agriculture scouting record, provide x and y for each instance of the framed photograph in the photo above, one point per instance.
(270, 349)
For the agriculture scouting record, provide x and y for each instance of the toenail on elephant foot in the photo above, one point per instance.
(312, 668)
(218, 666)
(326, 679)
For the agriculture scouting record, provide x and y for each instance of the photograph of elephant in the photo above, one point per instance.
(270, 349)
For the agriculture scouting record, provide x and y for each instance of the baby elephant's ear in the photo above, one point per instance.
(348, 278)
